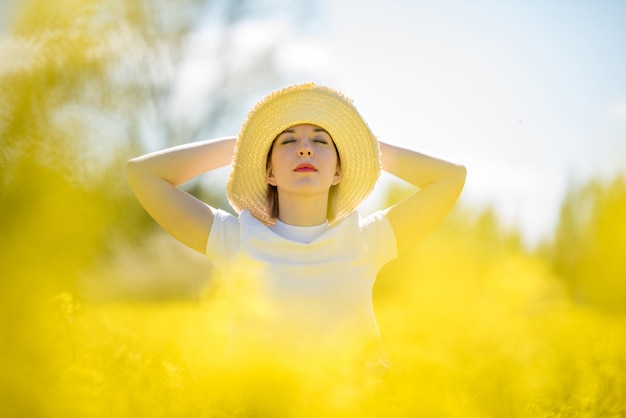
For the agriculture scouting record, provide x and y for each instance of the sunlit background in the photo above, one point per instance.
(514, 307)
(529, 95)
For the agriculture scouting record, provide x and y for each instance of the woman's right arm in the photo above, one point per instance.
(154, 179)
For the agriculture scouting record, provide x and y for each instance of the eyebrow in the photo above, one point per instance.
(291, 131)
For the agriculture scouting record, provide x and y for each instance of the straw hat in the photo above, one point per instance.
(294, 105)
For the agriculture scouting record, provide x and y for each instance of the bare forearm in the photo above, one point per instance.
(440, 184)
(179, 164)
(416, 168)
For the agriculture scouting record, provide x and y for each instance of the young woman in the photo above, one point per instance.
(298, 253)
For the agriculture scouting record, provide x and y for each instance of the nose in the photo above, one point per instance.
(305, 149)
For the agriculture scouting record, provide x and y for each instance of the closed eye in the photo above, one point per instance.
(320, 140)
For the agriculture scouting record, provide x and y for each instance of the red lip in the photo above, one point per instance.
(305, 168)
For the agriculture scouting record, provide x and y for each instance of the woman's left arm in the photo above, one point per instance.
(439, 182)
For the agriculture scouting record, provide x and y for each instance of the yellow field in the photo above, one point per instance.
(475, 325)
(476, 336)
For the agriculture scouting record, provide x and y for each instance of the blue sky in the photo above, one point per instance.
(529, 95)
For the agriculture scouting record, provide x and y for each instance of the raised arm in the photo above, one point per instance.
(439, 182)
(154, 179)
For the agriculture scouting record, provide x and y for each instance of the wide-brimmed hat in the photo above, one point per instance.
(294, 105)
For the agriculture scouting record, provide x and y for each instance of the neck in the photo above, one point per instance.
(302, 211)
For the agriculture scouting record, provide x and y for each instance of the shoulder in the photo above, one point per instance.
(223, 220)
(224, 235)
(230, 230)
(374, 230)
(356, 223)
(379, 237)
(375, 220)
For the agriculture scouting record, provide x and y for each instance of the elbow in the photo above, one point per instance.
(462, 172)
(133, 168)
(462, 175)
(459, 175)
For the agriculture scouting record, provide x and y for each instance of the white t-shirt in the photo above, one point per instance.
(313, 284)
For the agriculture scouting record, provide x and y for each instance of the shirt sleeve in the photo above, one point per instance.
(379, 238)
(223, 239)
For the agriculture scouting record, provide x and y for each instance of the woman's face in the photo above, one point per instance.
(303, 159)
